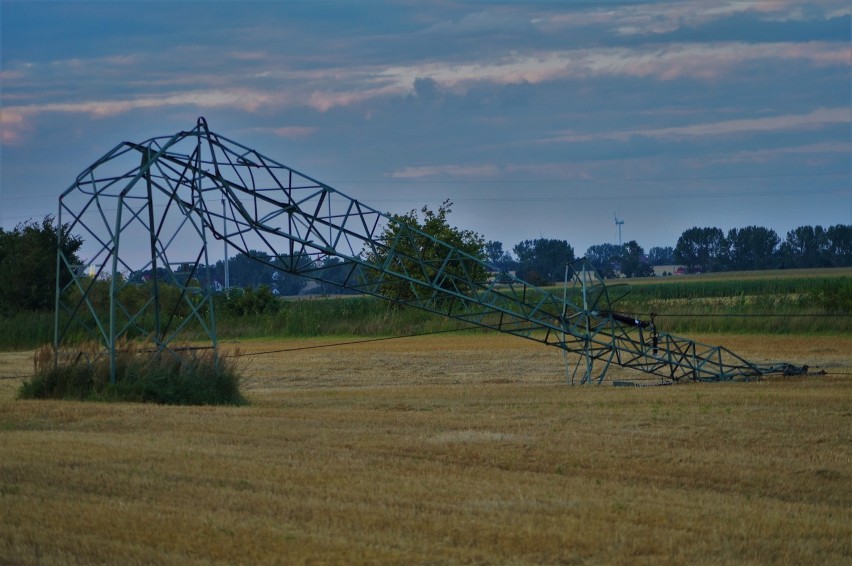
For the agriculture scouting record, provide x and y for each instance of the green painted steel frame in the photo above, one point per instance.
(298, 224)
(130, 194)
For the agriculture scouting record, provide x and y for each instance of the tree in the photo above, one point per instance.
(604, 258)
(333, 274)
(28, 264)
(840, 244)
(543, 261)
(248, 270)
(806, 246)
(633, 261)
(493, 251)
(499, 260)
(752, 247)
(421, 252)
(701, 250)
(661, 255)
(284, 277)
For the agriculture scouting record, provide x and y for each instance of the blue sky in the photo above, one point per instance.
(537, 119)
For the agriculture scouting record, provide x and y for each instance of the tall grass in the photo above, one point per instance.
(171, 378)
(26, 330)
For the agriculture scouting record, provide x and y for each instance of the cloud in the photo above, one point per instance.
(684, 96)
(817, 150)
(814, 119)
(632, 20)
(15, 121)
(555, 171)
(325, 100)
(495, 20)
(265, 80)
(13, 127)
(457, 171)
(706, 61)
(290, 132)
(249, 55)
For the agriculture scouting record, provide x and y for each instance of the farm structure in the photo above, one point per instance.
(157, 206)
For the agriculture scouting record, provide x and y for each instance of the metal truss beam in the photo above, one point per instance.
(147, 204)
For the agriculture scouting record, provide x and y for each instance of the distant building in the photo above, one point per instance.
(494, 275)
(661, 270)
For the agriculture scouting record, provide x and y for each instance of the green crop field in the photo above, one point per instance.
(791, 302)
(805, 301)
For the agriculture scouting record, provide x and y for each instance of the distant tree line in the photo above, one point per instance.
(28, 258)
(705, 250)
(698, 250)
(542, 261)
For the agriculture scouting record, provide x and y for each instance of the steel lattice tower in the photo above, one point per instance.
(154, 207)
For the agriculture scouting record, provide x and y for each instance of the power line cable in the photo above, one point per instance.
(403, 181)
(528, 182)
(749, 315)
(397, 181)
(351, 342)
(558, 198)
(420, 334)
(315, 346)
(384, 338)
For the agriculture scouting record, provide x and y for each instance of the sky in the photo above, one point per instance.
(536, 119)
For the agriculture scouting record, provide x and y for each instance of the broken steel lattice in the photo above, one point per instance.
(155, 207)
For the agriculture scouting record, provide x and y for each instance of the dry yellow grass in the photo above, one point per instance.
(453, 449)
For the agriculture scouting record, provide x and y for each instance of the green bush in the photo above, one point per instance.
(237, 301)
(170, 378)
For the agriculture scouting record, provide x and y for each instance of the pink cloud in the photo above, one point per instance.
(561, 171)
(813, 119)
(818, 150)
(13, 126)
(643, 19)
(465, 171)
(293, 131)
(16, 120)
(700, 61)
(323, 100)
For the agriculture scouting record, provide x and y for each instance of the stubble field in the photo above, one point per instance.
(442, 449)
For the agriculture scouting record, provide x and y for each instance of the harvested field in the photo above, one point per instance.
(447, 449)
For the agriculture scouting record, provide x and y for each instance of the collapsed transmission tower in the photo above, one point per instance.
(153, 208)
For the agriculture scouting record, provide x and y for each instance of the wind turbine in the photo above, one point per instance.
(618, 223)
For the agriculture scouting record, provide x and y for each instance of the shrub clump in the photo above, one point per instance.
(185, 377)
